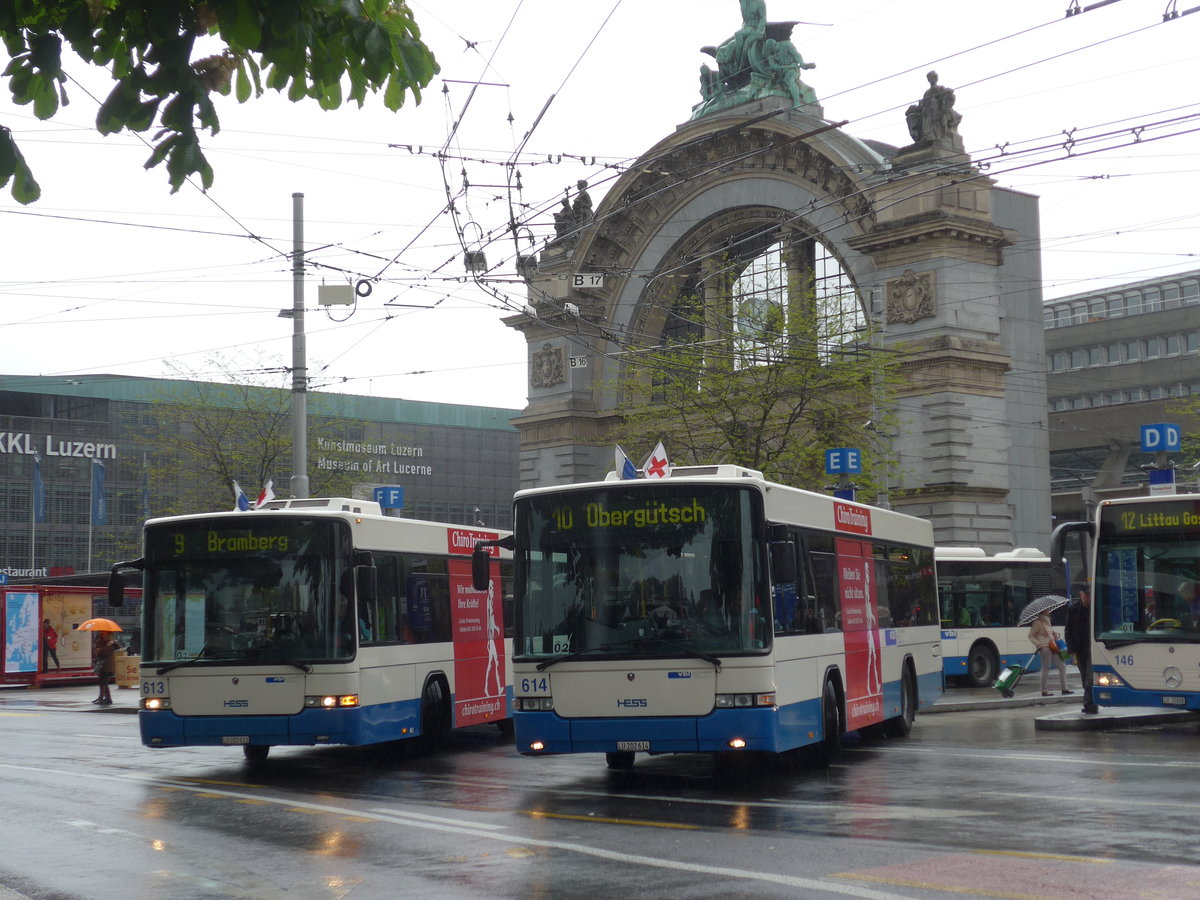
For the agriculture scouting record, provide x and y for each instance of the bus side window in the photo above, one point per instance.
(824, 586)
(789, 612)
(388, 595)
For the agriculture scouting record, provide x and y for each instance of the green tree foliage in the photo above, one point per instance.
(324, 50)
(771, 387)
(215, 433)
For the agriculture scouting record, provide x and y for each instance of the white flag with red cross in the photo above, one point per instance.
(657, 466)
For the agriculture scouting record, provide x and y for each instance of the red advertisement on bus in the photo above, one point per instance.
(478, 631)
(860, 628)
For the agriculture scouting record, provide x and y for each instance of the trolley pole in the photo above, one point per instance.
(299, 482)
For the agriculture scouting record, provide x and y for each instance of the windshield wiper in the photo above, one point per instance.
(603, 648)
(205, 656)
(685, 650)
(279, 657)
(200, 657)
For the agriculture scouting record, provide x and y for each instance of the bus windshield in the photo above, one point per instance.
(1147, 567)
(252, 588)
(641, 570)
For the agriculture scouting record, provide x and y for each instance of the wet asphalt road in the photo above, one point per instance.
(975, 803)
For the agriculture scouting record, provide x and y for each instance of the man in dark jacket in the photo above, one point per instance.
(1079, 640)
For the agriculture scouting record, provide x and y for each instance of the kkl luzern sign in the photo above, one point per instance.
(48, 445)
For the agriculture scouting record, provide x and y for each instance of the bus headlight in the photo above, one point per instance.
(744, 701)
(533, 704)
(154, 703)
(1108, 679)
(331, 701)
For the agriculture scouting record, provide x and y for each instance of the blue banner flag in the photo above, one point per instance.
(39, 492)
(625, 468)
(99, 504)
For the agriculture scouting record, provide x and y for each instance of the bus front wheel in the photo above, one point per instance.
(256, 752)
(982, 666)
(622, 760)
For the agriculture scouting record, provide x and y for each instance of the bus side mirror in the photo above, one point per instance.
(367, 585)
(481, 561)
(116, 586)
(481, 568)
(783, 562)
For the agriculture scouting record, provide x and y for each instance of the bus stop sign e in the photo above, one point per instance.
(843, 461)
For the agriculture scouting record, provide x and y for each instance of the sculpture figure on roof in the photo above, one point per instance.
(759, 60)
(933, 118)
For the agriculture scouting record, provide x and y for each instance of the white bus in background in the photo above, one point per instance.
(715, 611)
(1144, 562)
(317, 621)
(981, 597)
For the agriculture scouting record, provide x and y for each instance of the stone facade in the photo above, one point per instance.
(927, 243)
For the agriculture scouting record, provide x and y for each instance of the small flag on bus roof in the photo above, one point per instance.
(265, 495)
(657, 466)
(625, 467)
(240, 503)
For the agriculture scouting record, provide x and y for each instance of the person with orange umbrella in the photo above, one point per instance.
(104, 650)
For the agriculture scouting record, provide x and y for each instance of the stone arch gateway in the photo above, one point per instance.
(942, 260)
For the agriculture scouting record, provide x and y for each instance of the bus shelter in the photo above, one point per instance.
(26, 608)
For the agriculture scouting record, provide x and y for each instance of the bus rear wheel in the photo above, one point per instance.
(830, 747)
(901, 725)
(982, 666)
(435, 716)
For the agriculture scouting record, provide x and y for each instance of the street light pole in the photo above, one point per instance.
(299, 482)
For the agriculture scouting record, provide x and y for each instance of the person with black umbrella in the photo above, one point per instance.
(1079, 640)
(1045, 640)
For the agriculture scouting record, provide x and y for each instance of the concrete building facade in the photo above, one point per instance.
(1118, 359)
(454, 463)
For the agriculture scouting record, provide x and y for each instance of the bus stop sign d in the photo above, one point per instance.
(1161, 438)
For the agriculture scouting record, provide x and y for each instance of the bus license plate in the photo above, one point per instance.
(633, 745)
(234, 739)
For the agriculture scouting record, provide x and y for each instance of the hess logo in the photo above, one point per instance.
(632, 703)
(236, 704)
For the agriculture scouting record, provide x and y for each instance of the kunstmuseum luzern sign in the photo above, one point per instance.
(49, 445)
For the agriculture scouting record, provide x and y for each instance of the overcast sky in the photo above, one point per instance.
(110, 273)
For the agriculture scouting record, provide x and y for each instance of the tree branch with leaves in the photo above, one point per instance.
(329, 51)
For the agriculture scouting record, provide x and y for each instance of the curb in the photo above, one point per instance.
(1113, 717)
(950, 706)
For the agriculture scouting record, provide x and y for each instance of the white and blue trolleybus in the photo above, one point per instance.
(317, 621)
(713, 610)
(982, 596)
(1144, 554)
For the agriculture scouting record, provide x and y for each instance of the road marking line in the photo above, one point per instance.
(8, 715)
(444, 820)
(1107, 762)
(1097, 798)
(943, 888)
(644, 823)
(236, 784)
(1096, 860)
